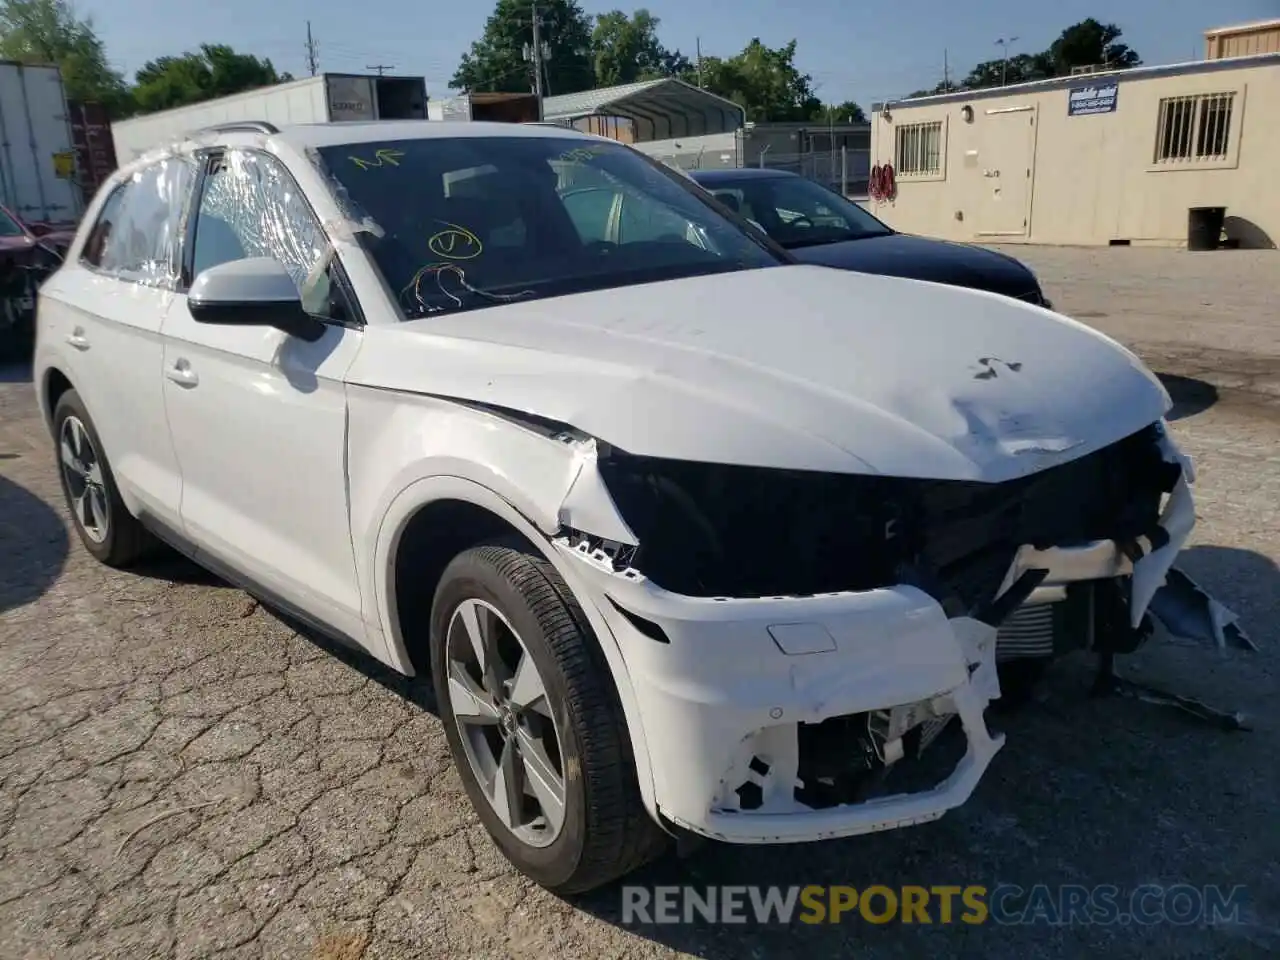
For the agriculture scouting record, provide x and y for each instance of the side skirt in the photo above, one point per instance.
(268, 598)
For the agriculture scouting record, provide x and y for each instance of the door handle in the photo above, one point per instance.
(182, 374)
(78, 340)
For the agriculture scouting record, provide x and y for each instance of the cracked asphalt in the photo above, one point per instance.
(182, 775)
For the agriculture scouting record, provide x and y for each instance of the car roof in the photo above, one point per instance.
(333, 134)
(738, 174)
(304, 136)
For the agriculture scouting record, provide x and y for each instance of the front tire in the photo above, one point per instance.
(105, 526)
(534, 723)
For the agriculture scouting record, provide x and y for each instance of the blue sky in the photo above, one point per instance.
(853, 49)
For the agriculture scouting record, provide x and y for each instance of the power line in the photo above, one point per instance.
(313, 57)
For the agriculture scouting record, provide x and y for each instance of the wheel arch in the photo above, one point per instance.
(482, 513)
(53, 384)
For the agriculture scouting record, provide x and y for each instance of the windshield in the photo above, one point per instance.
(797, 212)
(472, 221)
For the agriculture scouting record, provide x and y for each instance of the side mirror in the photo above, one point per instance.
(257, 292)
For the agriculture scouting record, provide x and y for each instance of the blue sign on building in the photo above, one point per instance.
(1094, 98)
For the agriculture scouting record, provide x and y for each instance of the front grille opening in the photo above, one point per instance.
(727, 531)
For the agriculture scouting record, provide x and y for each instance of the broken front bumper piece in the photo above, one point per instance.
(732, 692)
(721, 684)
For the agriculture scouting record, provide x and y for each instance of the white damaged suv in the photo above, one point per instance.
(692, 540)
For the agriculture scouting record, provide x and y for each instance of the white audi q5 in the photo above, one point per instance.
(692, 539)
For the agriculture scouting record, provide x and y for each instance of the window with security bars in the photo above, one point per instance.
(1194, 128)
(918, 149)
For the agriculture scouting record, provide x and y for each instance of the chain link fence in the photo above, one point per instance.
(846, 170)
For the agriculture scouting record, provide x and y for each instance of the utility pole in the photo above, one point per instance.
(1004, 59)
(831, 141)
(698, 59)
(380, 67)
(313, 58)
(537, 54)
(946, 72)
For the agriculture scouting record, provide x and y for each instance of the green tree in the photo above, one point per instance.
(496, 61)
(48, 31)
(1020, 68)
(626, 48)
(847, 112)
(215, 71)
(1085, 44)
(765, 82)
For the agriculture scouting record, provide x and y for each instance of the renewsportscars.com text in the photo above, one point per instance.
(1009, 904)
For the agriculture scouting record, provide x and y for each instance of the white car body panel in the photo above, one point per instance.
(261, 439)
(722, 372)
(107, 341)
(301, 466)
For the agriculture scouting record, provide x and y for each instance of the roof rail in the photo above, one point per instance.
(241, 126)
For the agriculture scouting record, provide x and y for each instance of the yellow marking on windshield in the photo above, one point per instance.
(455, 243)
(382, 157)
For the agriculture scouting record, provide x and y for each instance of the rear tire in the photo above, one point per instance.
(602, 831)
(105, 526)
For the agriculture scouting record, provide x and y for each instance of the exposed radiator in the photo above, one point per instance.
(1028, 633)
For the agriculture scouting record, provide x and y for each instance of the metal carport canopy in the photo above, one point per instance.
(662, 108)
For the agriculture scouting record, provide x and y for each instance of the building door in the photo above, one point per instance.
(1006, 164)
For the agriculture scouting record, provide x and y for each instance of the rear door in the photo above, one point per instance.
(104, 314)
(259, 417)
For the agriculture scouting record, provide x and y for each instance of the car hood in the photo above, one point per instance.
(920, 258)
(796, 367)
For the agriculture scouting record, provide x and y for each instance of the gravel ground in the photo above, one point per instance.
(182, 775)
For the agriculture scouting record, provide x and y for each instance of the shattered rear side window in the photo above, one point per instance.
(138, 236)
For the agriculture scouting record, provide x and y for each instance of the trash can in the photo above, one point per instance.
(1204, 227)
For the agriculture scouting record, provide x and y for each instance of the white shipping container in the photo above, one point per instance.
(319, 99)
(37, 158)
(450, 108)
(490, 107)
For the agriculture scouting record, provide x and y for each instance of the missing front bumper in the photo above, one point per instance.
(724, 686)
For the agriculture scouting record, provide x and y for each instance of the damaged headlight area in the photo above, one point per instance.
(708, 530)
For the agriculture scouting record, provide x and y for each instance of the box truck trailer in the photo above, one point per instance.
(37, 157)
(318, 99)
(496, 107)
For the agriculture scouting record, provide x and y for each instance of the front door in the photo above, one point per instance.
(258, 417)
(1006, 163)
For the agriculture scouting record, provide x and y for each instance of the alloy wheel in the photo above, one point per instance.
(82, 476)
(506, 724)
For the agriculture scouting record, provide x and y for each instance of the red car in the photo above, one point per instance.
(28, 254)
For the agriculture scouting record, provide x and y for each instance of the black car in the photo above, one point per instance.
(819, 226)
